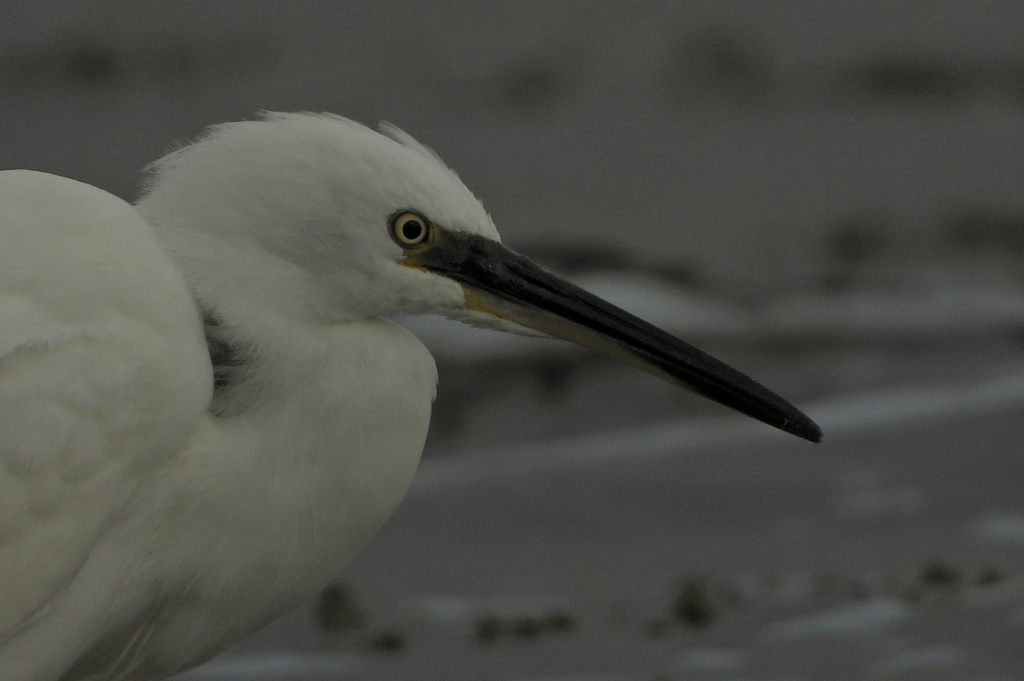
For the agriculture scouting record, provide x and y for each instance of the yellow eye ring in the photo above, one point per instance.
(409, 229)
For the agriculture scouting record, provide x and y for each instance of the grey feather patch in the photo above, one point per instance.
(228, 363)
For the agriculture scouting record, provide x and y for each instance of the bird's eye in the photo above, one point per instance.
(410, 229)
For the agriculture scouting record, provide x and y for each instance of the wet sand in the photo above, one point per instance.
(893, 550)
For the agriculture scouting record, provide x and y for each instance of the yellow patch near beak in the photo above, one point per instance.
(412, 265)
(480, 302)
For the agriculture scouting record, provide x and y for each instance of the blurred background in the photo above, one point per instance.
(826, 195)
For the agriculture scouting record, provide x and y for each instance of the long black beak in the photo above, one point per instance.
(502, 283)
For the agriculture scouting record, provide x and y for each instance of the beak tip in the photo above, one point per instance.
(807, 429)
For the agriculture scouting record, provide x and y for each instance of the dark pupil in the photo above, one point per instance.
(412, 229)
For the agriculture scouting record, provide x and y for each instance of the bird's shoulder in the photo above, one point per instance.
(104, 374)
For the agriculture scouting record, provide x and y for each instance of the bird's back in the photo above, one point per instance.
(104, 374)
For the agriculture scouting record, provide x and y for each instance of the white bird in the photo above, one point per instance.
(155, 506)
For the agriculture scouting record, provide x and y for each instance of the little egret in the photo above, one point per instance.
(205, 413)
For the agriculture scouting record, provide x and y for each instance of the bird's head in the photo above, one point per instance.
(318, 218)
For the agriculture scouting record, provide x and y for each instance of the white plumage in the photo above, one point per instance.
(155, 508)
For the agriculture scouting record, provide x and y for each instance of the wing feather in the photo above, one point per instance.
(104, 375)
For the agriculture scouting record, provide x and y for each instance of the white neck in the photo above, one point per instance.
(321, 448)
